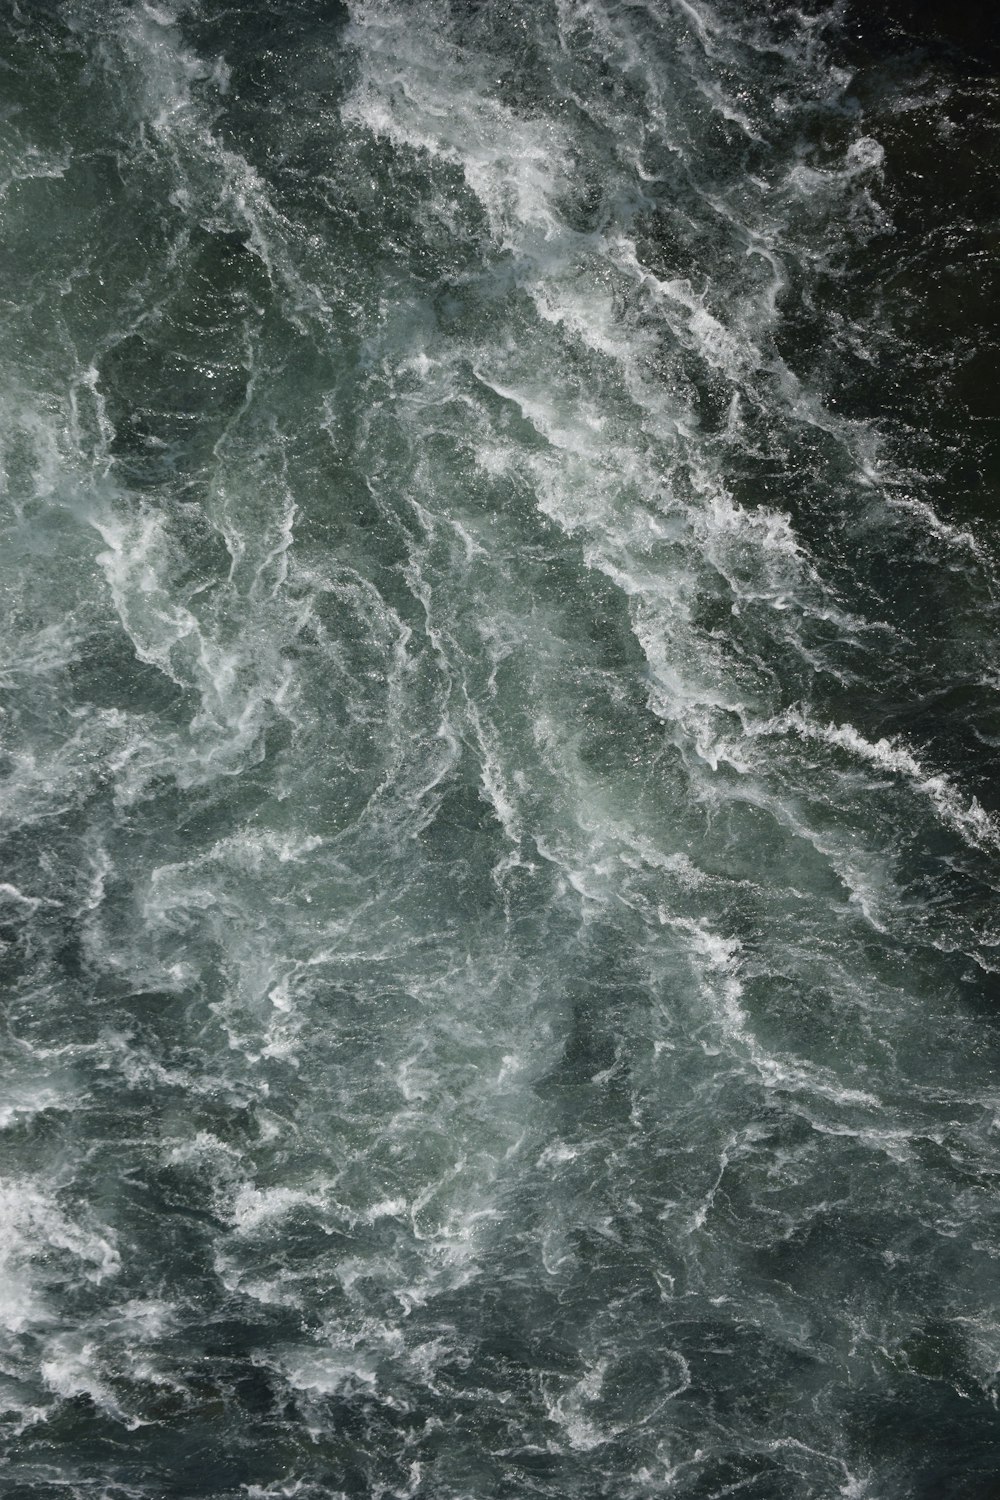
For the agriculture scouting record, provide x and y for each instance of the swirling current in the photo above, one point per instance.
(499, 720)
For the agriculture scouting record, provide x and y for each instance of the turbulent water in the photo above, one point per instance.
(500, 697)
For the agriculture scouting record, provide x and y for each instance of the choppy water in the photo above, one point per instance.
(500, 698)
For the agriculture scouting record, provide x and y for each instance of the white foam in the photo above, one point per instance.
(25, 1099)
(71, 1367)
(965, 816)
(920, 510)
(717, 961)
(253, 1208)
(32, 1223)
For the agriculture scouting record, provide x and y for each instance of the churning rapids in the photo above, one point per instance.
(499, 868)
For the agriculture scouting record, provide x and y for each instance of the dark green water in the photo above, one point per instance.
(500, 709)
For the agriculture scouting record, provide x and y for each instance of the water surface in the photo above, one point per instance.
(499, 891)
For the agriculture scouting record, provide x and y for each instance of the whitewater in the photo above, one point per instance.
(498, 904)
